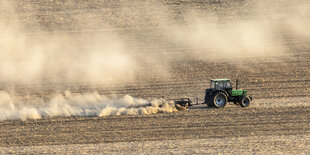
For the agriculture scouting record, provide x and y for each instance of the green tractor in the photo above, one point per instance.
(221, 92)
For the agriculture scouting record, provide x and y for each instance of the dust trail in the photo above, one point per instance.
(91, 104)
(59, 57)
(261, 28)
(73, 42)
(253, 28)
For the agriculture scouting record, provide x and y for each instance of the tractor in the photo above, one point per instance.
(221, 92)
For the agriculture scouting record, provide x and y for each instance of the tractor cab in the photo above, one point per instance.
(220, 84)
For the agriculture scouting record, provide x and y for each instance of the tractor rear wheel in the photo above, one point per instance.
(245, 101)
(219, 100)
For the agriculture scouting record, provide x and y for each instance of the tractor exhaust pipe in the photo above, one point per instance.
(237, 82)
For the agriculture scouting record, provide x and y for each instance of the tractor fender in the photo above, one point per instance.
(227, 95)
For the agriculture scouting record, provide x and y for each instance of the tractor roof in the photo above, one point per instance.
(217, 80)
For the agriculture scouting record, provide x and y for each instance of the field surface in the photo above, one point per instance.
(259, 128)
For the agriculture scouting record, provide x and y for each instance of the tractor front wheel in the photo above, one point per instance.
(219, 100)
(245, 101)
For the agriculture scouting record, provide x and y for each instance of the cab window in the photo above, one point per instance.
(221, 85)
(228, 85)
(212, 84)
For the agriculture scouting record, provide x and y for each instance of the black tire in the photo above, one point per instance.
(219, 100)
(245, 101)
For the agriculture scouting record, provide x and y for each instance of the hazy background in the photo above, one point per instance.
(83, 42)
(146, 49)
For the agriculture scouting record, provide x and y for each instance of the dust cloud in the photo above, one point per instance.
(88, 48)
(107, 57)
(91, 104)
(58, 57)
(262, 29)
